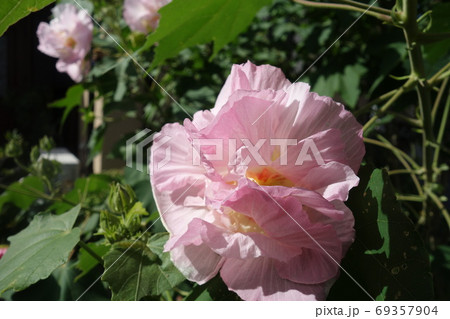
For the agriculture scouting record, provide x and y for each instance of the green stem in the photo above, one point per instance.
(83, 245)
(410, 198)
(395, 150)
(411, 33)
(383, 17)
(438, 99)
(366, 6)
(407, 119)
(399, 92)
(403, 171)
(437, 76)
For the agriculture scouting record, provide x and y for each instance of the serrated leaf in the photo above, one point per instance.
(38, 250)
(388, 258)
(133, 272)
(185, 23)
(168, 270)
(13, 11)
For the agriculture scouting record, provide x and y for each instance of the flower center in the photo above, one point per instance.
(70, 42)
(267, 176)
(241, 223)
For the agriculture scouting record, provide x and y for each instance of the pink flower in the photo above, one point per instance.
(142, 15)
(254, 188)
(3, 251)
(68, 37)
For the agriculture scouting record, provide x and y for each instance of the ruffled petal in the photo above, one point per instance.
(258, 279)
(311, 267)
(332, 180)
(250, 77)
(319, 113)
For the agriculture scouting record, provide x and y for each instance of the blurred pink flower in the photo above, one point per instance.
(142, 15)
(237, 199)
(3, 251)
(67, 37)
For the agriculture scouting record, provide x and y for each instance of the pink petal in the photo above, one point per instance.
(250, 77)
(197, 263)
(258, 279)
(319, 113)
(332, 180)
(344, 227)
(191, 256)
(311, 267)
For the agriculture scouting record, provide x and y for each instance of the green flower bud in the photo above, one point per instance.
(121, 198)
(46, 143)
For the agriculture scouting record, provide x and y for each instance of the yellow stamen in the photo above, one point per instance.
(267, 176)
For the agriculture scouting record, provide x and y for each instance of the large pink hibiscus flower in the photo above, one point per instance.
(254, 188)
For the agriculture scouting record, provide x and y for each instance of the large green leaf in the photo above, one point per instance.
(38, 250)
(133, 271)
(388, 258)
(185, 23)
(13, 11)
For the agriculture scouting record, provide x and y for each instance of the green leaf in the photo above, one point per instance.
(70, 101)
(13, 11)
(185, 23)
(388, 258)
(135, 270)
(169, 274)
(85, 260)
(20, 193)
(350, 84)
(346, 84)
(89, 191)
(213, 290)
(38, 250)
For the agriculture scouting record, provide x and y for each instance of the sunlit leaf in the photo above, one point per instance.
(185, 23)
(38, 250)
(13, 11)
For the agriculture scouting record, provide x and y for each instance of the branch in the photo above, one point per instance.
(409, 84)
(366, 6)
(383, 17)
